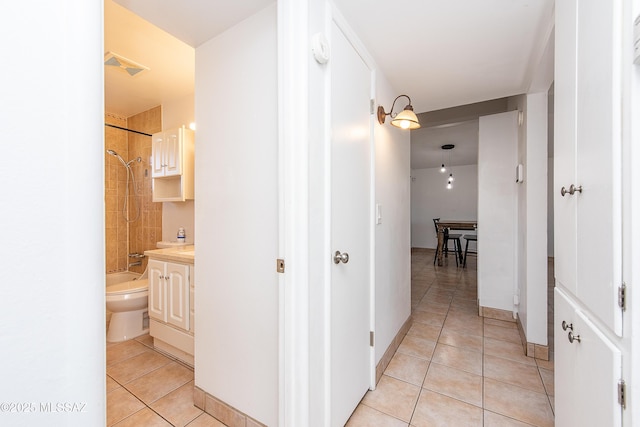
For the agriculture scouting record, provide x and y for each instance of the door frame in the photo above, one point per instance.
(304, 129)
(336, 17)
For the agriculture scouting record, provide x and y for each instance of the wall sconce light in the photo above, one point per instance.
(406, 119)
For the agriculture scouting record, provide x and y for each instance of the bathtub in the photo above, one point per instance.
(121, 276)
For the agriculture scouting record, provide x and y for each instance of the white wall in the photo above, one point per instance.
(497, 210)
(535, 321)
(392, 236)
(52, 300)
(431, 199)
(533, 195)
(532, 217)
(237, 350)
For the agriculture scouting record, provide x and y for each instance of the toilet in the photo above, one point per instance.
(128, 303)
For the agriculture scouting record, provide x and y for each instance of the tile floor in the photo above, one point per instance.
(455, 368)
(146, 388)
(452, 369)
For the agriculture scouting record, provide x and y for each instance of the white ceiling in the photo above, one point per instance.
(171, 63)
(442, 53)
(426, 143)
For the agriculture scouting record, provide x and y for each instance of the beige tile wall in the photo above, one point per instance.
(146, 230)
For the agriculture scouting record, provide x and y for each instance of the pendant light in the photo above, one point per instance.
(448, 147)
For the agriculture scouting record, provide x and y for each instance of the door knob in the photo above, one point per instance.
(566, 325)
(340, 257)
(572, 190)
(573, 338)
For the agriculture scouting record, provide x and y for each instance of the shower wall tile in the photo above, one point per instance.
(147, 228)
(140, 235)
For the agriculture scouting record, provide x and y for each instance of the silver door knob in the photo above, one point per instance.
(566, 325)
(338, 257)
(572, 190)
(573, 338)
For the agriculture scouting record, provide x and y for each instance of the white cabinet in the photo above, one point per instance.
(169, 293)
(587, 368)
(172, 165)
(587, 212)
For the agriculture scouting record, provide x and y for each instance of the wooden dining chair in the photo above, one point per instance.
(469, 238)
(457, 246)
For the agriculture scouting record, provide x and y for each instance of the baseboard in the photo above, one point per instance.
(496, 313)
(536, 351)
(219, 410)
(391, 350)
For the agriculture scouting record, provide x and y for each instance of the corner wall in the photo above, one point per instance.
(53, 301)
(392, 235)
(236, 207)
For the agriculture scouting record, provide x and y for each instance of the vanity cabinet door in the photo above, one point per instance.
(177, 288)
(157, 290)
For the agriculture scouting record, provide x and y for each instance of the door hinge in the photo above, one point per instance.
(622, 296)
(280, 265)
(371, 338)
(622, 394)
(372, 106)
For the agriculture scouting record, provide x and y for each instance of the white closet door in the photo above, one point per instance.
(587, 370)
(587, 155)
(598, 162)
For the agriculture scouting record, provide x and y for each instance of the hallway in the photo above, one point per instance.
(454, 368)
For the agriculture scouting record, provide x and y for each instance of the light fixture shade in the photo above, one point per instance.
(406, 119)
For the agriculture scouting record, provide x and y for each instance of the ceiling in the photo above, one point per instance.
(442, 53)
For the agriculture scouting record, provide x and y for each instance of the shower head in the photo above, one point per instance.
(114, 154)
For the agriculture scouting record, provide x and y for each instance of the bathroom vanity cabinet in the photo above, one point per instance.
(172, 165)
(171, 294)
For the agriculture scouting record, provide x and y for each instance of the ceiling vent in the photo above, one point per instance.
(132, 68)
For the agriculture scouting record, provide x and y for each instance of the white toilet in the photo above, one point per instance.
(128, 303)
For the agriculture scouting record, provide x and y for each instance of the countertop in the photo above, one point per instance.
(184, 254)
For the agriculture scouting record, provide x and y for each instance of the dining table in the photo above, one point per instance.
(452, 224)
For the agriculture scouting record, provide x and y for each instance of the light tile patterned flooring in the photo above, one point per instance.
(455, 368)
(146, 388)
(452, 369)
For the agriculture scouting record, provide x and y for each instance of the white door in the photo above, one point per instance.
(564, 171)
(587, 155)
(350, 223)
(156, 290)
(587, 370)
(598, 161)
(177, 280)
(564, 360)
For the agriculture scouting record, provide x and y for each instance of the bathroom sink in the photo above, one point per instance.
(166, 244)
